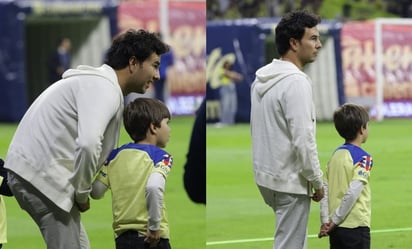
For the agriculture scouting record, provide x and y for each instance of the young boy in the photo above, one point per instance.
(346, 208)
(136, 173)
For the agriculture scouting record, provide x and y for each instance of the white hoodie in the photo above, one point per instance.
(283, 128)
(67, 134)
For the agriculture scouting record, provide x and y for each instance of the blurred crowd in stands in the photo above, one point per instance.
(347, 10)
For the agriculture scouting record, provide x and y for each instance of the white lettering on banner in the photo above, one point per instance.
(187, 75)
(360, 74)
(395, 109)
(184, 105)
(358, 58)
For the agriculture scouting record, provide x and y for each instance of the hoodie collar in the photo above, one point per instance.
(271, 74)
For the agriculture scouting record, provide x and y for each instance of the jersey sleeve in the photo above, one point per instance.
(102, 176)
(163, 164)
(363, 168)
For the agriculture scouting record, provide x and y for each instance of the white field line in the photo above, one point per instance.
(224, 242)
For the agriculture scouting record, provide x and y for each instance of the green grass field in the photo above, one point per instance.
(237, 217)
(187, 220)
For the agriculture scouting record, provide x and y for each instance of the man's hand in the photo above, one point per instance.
(152, 238)
(318, 195)
(83, 207)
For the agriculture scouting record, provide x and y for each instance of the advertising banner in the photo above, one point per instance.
(358, 62)
(186, 79)
(243, 43)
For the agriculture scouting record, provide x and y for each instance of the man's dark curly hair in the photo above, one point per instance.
(293, 25)
(134, 43)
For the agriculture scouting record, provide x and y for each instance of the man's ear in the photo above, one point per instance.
(293, 43)
(133, 60)
(132, 63)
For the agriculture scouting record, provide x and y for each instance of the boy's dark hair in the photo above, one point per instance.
(293, 25)
(140, 113)
(348, 119)
(140, 44)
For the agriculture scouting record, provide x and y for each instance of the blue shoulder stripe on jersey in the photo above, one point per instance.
(155, 153)
(357, 153)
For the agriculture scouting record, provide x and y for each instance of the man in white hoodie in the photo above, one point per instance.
(285, 158)
(69, 131)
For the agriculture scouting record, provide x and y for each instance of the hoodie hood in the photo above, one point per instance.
(104, 71)
(271, 74)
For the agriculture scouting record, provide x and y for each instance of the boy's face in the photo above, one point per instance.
(163, 133)
(365, 133)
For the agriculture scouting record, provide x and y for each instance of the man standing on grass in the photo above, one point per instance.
(285, 159)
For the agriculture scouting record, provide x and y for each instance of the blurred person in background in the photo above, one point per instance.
(68, 132)
(60, 59)
(228, 95)
(166, 62)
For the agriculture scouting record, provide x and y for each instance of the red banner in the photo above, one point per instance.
(358, 59)
(187, 24)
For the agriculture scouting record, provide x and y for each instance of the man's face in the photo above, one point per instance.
(309, 46)
(145, 74)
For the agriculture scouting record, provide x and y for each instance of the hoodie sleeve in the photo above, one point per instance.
(301, 120)
(97, 104)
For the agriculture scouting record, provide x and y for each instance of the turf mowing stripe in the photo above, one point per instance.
(309, 236)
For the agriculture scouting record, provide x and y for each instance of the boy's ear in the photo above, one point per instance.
(152, 128)
(362, 129)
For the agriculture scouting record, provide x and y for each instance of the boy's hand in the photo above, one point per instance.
(323, 230)
(326, 229)
(152, 238)
(331, 226)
